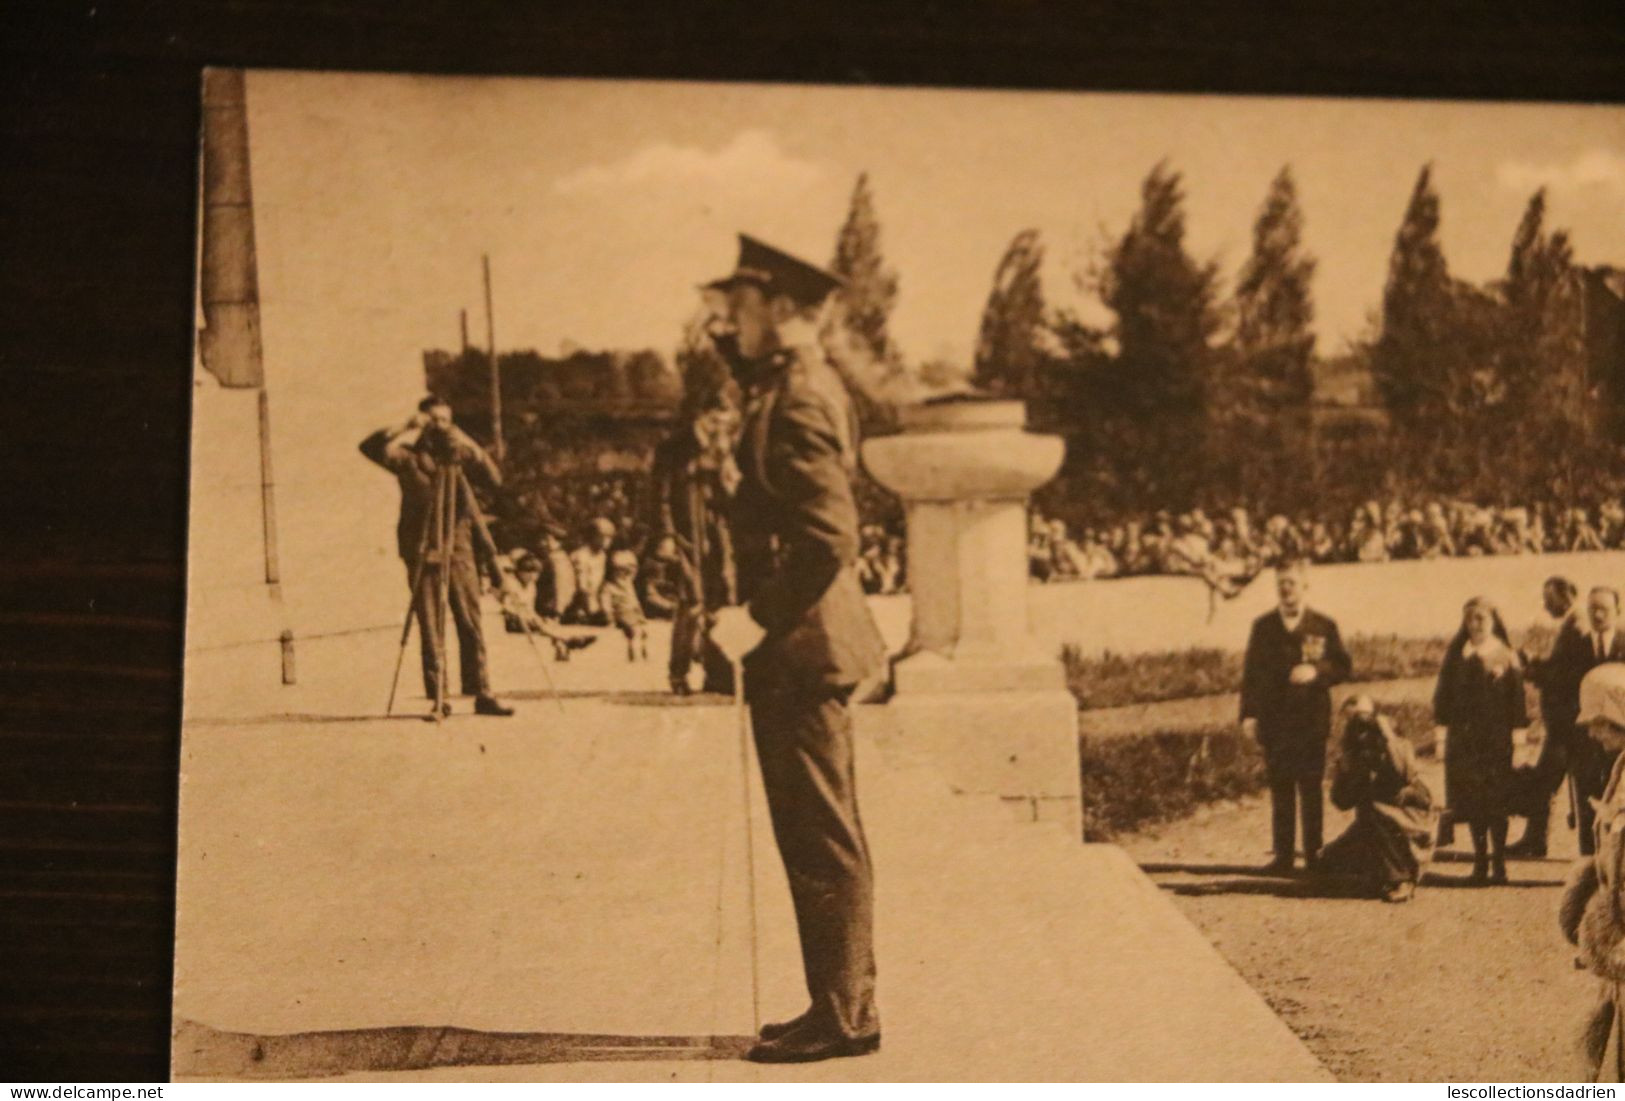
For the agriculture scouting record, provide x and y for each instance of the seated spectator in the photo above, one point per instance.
(1321, 544)
(1434, 535)
(523, 614)
(893, 566)
(591, 564)
(1066, 561)
(1188, 552)
(556, 587)
(1478, 535)
(1374, 775)
(1039, 562)
(1611, 524)
(1370, 545)
(1412, 540)
(1579, 535)
(1098, 558)
(1130, 550)
(871, 567)
(621, 605)
(1153, 552)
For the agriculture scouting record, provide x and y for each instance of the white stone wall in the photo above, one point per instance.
(1413, 599)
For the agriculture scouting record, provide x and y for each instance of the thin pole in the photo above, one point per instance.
(448, 533)
(273, 573)
(462, 319)
(496, 375)
(746, 735)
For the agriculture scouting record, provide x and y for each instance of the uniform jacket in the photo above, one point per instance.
(1294, 721)
(795, 528)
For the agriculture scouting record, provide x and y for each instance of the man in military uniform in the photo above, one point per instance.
(804, 633)
(415, 452)
(1295, 656)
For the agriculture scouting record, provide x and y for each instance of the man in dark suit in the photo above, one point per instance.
(1554, 669)
(1575, 655)
(417, 452)
(1294, 656)
(804, 632)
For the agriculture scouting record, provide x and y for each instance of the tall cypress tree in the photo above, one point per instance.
(871, 286)
(1412, 357)
(1164, 302)
(1541, 332)
(1268, 379)
(1007, 348)
(1166, 310)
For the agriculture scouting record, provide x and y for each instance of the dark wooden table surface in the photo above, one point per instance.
(98, 198)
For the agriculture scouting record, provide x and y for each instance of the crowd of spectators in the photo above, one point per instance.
(1230, 547)
(593, 518)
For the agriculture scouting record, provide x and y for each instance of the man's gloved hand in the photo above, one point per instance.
(735, 633)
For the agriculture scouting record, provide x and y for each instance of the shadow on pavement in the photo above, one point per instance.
(1261, 885)
(285, 718)
(1454, 882)
(623, 699)
(1259, 882)
(203, 1052)
(1260, 870)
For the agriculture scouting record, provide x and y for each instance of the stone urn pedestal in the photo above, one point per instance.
(974, 689)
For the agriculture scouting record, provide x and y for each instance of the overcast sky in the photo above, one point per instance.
(602, 204)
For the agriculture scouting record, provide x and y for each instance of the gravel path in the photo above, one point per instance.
(1459, 985)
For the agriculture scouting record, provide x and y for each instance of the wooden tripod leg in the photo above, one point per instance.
(418, 575)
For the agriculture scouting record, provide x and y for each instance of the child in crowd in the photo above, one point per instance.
(621, 604)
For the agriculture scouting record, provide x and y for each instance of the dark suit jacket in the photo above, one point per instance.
(1559, 676)
(1574, 654)
(1294, 721)
(795, 530)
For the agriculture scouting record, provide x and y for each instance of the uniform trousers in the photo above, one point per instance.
(464, 598)
(691, 642)
(804, 743)
(1304, 791)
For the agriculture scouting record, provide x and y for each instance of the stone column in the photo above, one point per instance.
(975, 689)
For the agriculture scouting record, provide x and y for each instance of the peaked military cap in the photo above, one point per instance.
(777, 272)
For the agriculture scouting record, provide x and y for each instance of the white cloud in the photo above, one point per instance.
(1591, 168)
(752, 160)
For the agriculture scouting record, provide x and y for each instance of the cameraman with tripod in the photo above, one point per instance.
(441, 538)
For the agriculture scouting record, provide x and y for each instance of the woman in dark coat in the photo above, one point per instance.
(1479, 701)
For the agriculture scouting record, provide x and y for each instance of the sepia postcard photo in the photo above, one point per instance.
(721, 582)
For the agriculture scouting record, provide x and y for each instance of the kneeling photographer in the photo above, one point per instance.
(1374, 774)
